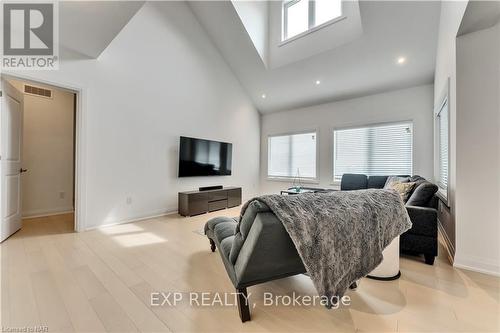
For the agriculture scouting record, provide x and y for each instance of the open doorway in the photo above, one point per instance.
(47, 125)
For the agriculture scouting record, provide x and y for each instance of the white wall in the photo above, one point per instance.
(478, 157)
(160, 78)
(450, 19)
(255, 17)
(408, 104)
(47, 152)
(337, 34)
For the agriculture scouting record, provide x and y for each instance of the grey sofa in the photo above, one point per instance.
(422, 238)
(255, 251)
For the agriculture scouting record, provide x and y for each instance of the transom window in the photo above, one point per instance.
(302, 15)
(373, 150)
(290, 156)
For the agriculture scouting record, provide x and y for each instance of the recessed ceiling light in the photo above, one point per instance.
(318, 82)
(401, 60)
(264, 96)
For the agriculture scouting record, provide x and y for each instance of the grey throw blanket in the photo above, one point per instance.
(339, 235)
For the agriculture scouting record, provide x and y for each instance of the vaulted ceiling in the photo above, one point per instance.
(364, 65)
(355, 57)
(87, 27)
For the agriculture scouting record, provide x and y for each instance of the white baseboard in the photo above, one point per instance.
(137, 218)
(47, 212)
(450, 250)
(477, 265)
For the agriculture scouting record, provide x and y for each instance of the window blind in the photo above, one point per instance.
(443, 147)
(374, 150)
(292, 155)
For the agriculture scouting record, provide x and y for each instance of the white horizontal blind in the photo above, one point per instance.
(443, 147)
(374, 150)
(292, 155)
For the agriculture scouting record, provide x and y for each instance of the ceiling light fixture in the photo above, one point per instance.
(264, 96)
(401, 60)
(318, 82)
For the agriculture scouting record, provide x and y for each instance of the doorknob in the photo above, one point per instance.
(22, 170)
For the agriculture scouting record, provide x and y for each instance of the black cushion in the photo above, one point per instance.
(418, 180)
(422, 194)
(377, 181)
(351, 181)
(424, 221)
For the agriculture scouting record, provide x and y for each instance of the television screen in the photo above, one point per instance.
(198, 157)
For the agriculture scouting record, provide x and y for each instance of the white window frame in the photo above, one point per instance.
(309, 180)
(412, 127)
(311, 20)
(443, 192)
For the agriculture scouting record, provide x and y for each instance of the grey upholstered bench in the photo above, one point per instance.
(255, 250)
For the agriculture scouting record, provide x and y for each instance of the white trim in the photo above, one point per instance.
(43, 213)
(311, 20)
(477, 265)
(80, 143)
(312, 30)
(291, 179)
(450, 249)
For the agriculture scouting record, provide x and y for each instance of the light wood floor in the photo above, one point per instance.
(102, 280)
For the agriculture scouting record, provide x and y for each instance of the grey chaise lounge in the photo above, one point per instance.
(259, 250)
(256, 250)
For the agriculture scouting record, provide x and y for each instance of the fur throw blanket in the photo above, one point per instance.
(339, 235)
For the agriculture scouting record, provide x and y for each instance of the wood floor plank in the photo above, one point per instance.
(81, 313)
(128, 276)
(50, 305)
(142, 317)
(88, 282)
(23, 307)
(4, 287)
(102, 280)
(112, 315)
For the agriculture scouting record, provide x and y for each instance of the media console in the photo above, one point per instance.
(200, 202)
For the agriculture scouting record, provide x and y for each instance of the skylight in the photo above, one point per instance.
(300, 16)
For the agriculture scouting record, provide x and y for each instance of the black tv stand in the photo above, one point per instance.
(200, 202)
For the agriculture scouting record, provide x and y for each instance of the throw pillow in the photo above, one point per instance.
(417, 179)
(395, 179)
(423, 194)
(404, 189)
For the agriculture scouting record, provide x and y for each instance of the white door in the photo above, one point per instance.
(11, 123)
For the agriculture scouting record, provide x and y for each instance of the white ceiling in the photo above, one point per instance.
(87, 27)
(344, 31)
(365, 66)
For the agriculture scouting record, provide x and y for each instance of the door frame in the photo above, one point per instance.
(80, 143)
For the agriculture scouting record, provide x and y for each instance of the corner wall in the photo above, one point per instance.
(478, 156)
(450, 19)
(408, 104)
(160, 78)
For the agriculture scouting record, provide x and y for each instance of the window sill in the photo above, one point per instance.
(291, 180)
(443, 196)
(336, 184)
(310, 31)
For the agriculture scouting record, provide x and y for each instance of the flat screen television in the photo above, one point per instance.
(199, 157)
